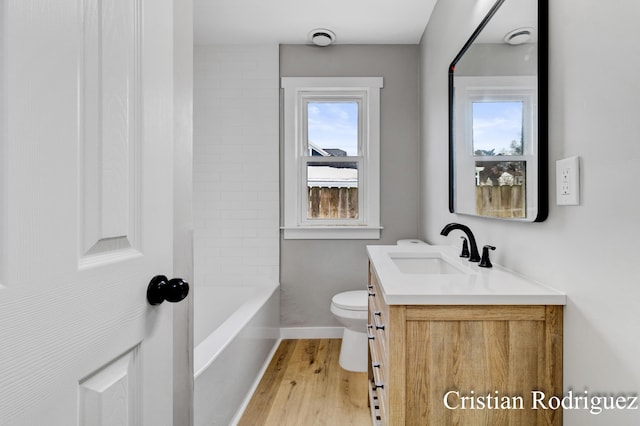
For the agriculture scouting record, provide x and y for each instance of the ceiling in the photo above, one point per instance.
(513, 14)
(290, 21)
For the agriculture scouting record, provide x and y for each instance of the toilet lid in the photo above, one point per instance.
(351, 300)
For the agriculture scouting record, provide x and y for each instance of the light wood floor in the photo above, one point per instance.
(305, 386)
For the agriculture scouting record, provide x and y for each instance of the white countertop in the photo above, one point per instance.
(472, 286)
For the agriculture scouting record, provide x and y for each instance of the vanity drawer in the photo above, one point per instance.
(375, 295)
(379, 359)
(377, 333)
(378, 379)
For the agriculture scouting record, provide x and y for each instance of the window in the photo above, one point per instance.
(331, 158)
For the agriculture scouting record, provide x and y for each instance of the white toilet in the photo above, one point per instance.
(350, 308)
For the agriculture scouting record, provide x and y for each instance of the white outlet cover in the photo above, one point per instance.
(568, 181)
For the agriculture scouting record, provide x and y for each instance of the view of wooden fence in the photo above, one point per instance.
(501, 201)
(332, 203)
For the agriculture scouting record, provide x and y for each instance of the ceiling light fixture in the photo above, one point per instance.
(322, 37)
(518, 36)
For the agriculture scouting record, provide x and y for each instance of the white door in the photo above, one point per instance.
(85, 211)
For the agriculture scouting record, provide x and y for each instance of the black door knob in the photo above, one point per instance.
(161, 289)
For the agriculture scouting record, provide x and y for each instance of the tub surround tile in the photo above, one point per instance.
(236, 164)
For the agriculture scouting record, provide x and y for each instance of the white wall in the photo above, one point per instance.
(589, 251)
(236, 143)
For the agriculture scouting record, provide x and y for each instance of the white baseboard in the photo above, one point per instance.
(311, 332)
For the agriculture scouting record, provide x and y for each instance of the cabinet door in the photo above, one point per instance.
(503, 351)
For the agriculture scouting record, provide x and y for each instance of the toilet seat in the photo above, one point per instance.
(355, 300)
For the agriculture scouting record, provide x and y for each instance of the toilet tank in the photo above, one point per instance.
(410, 241)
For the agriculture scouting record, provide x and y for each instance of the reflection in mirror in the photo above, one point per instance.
(501, 189)
(497, 127)
(497, 107)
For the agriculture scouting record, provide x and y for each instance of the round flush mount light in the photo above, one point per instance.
(518, 36)
(322, 37)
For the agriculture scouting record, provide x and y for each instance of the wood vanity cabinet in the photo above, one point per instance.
(418, 353)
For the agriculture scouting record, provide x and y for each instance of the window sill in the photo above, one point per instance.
(333, 233)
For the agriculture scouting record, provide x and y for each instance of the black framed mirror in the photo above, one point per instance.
(498, 143)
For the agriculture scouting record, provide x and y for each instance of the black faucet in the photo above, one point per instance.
(475, 256)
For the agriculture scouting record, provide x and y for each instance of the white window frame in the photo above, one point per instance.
(298, 92)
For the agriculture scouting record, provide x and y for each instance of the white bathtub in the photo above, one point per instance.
(236, 329)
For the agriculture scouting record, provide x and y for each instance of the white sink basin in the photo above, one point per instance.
(425, 263)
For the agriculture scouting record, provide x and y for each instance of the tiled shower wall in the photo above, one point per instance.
(236, 160)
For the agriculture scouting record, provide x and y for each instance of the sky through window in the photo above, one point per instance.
(333, 125)
(497, 126)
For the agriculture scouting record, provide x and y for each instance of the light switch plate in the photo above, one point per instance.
(568, 181)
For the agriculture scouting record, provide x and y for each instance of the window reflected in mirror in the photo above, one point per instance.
(497, 128)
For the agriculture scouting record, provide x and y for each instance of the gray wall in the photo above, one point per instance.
(589, 251)
(312, 271)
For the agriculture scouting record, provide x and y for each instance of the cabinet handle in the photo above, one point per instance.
(371, 292)
(375, 364)
(377, 315)
(369, 335)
